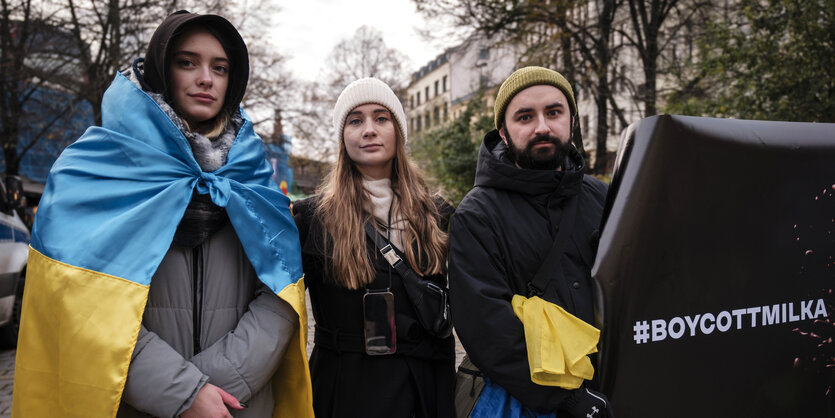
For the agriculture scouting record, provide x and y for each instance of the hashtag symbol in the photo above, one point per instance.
(641, 329)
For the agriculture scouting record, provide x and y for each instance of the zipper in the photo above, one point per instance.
(197, 292)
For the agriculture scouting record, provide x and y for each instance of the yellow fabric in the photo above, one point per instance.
(291, 383)
(558, 343)
(78, 330)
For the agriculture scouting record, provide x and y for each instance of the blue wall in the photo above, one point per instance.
(40, 110)
(46, 104)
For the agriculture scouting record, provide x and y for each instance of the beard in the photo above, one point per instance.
(545, 158)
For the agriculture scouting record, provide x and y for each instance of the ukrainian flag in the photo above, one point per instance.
(107, 217)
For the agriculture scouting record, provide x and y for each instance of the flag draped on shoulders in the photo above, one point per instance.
(107, 217)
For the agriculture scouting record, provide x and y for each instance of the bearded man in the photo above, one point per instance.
(522, 245)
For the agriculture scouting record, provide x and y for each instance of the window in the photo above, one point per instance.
(445, 88)
(418, 124)
(427, 118)
(427, 93)
(484, 53)
(437, 115)
(418, 95)
(437, 84)
(412, 102)
(446, 113)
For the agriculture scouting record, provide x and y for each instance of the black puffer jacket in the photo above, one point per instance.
(499, 237)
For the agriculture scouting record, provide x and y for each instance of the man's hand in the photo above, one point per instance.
(211, 402)
(584, 403)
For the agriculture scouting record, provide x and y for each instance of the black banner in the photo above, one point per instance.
(717, 266)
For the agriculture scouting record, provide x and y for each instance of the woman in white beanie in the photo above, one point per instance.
(372, 359)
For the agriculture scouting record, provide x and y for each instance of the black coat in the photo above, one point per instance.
(419, 378)
(499, 237)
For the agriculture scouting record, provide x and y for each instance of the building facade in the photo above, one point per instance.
(480, 65)
(429, 95)
(441, 89)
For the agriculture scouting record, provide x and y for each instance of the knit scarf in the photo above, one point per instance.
(202, 218)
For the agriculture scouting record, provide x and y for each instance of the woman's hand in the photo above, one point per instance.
(211, 402)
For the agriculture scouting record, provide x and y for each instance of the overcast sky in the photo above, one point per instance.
(307, 30)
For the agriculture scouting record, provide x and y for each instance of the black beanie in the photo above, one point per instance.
(156, 59)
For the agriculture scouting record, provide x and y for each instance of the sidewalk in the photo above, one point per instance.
(6, 382)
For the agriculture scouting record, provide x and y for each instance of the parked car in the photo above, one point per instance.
(14, 252)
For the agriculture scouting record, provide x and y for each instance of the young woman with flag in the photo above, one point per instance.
(372, 357)
(166, 272)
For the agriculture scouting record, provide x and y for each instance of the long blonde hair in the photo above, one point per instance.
(343, 215)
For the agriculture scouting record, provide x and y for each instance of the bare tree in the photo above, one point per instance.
(576, 33)
(33, 60)
(108, 35)
(269, 84)
(655, 24)
(598, 53)
(80, 47)
(541, 29)
(580, 35)
(310, 118)
(365, 54)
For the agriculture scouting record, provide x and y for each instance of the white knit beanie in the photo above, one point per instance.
(364, 91)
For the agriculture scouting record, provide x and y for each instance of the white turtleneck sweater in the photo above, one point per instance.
(380, 201)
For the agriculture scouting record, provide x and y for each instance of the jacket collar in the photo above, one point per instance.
(495, 170)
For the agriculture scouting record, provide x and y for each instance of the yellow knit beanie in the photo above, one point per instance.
(524, 78)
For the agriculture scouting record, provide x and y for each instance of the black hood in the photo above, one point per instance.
(495, 170)
(156, 58)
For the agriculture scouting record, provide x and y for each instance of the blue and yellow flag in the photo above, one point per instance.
(107, 217)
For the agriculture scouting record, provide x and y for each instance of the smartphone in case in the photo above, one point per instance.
(378, 313)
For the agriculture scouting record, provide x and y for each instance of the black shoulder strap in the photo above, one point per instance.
(554, 258)
(389, 253)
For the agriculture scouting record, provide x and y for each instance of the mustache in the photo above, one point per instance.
(543, 139)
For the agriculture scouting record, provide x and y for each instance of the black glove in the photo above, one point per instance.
(585, 403)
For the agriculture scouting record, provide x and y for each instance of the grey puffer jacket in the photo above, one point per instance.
(208, 317)
(244, 330)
